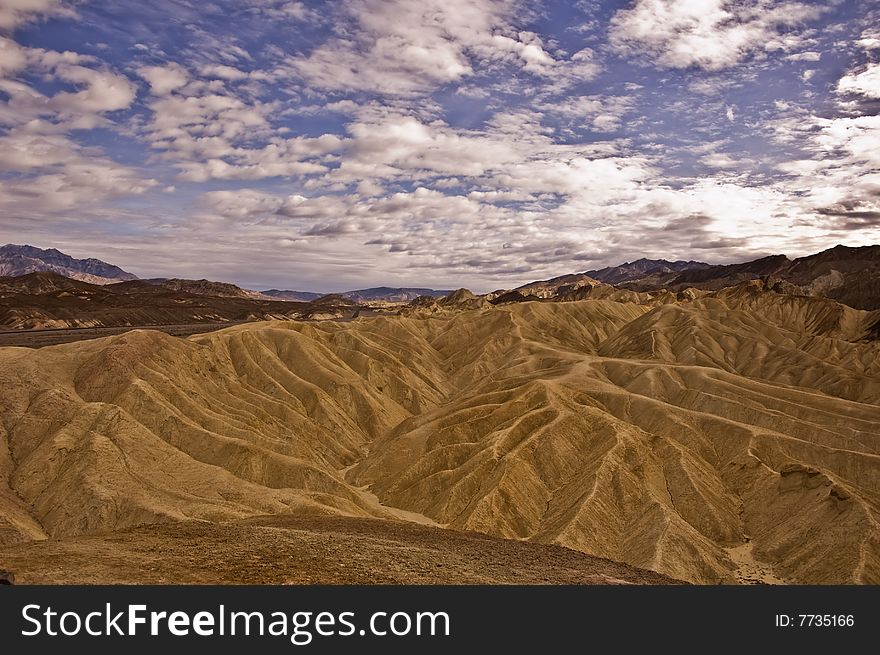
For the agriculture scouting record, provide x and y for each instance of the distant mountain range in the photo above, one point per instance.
(375, 294)
(392, 294)
(848, 275)
(297, 296)
(18, 260)
(21, 260)
(845, 274)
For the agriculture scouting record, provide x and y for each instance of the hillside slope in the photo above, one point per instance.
(672, 436)
(49, 300)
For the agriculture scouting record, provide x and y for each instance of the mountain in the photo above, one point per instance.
(555, 286)
(392, 294)
(724, 437)
(577, 286)
(48, 300)
(714, 277)
(44, 283)
(641, 269)
(207, 288)
(849, 275)
(20, 260)
(365, 296)
(300, 296)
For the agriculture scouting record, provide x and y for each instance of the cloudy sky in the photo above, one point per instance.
(444, 143)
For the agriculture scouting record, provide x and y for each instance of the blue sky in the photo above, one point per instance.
(445, 143)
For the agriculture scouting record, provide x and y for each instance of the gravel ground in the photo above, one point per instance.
(295, 550)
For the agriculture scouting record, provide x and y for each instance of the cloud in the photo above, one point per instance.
(86, 92)
(25, 151)
(870, 40)
(99, 91)
(223, 72)
(479, 142)
(47, 170)
(839, 180)
(208, 131)
(285, 10)
(397, 47)
(12, 57)
(865, 83)
(711, 34)
(164, 79)
(719, 160)
(809, 55)
(602, 113)
(15, 13)
(73, 182)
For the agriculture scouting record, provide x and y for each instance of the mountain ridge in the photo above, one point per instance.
(16, 260)
(641, 268)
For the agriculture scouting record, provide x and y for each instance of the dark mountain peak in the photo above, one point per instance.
(842, 253)
(333, 300)
(641, 268)
(203, 287)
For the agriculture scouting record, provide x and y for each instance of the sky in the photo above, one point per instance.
(441, 143)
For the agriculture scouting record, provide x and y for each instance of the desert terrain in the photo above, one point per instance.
(709, 436)
(285, 549)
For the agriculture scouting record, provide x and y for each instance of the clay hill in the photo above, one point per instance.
(710, 436)
(48, 300)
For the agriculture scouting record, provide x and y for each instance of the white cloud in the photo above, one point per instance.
(72, 182)
(398, 47)
(709, 34)
(602, 113)
(99, 91)
(224, 72)
(837, 184)
(12, 57)
(86, 94)
(164, 79)
(719, 160)
(286, 9)
(865, 83)
(52, 171)
(809, 55)
(870, 40)
(210, 132)
(14, 13)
